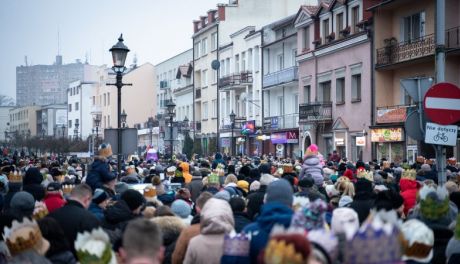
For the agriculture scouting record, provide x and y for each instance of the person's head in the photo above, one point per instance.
(346, 188)
(237, 204)
(201, 201)
(52, 231)
(279, 191)
(101, 198)
(23, 203)
(142, 243)
(134, 200)
(83, 194)
(230, 179)
(181, 208)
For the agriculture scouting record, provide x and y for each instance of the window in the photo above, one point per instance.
(204, 78)
(280, 61)
(214, 108)
(105, 99)
(222, 68)
(325, 28)
(105, 121)
(204, 46)
(414, 27)
(256, 58)
(108, 121)
(354, 19)
(307, 94)
(227, 66)
(250, 60)
(294, 55)
(296, 103)
(339, 23)
(356, 88)
(196, 50)
(324, 94)
(340, 90)
(306, 38)
(280, 102)
(237, 63)
(94, 100)
(205, 110)
(70, 123)
(214, 41)
(76, 122)
(70, 107)
(243, 61)
(76, 106)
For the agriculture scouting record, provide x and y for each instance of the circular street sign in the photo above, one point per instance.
(442, 103)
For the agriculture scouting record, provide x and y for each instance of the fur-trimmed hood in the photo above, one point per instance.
(171, 226)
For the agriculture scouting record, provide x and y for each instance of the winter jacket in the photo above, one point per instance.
(74, 219)
(132, 178)
(37, 191)
(186, 171)
(54, 201)
(118, 216)
(195, 186)
(98, 174)
(65, 257)
(312, 166)
(241, 221)
(217, 160)
(255, 202)
(216, 221)
(97, 211)
(272, 213)
(311, 193)
(183, 241)
(409, 189)
(171, 227)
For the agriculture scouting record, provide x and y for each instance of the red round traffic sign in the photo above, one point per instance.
(442, 103)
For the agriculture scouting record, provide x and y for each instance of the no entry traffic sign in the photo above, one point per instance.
(442, 103)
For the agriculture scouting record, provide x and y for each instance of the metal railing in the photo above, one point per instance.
(280, 77)
(281, 122)
(235, 79)
(315, 112)
(406, 50)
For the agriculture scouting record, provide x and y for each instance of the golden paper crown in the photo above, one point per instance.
(452, 161)
(15, 177)
(409, 174)
(150, 191)
(40, 211)
(67, 188)
(281, 252)
(22, 236)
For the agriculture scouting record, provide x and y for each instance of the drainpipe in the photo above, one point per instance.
(218, 94)
(262, 91)
(371, 33)
(193, 89)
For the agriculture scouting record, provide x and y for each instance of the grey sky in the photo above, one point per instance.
(154, 30)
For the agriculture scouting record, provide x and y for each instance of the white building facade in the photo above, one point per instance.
(79, 107)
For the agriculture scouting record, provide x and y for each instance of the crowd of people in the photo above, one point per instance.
(226, 209)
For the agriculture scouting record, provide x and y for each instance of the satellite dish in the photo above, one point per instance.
(215, 65)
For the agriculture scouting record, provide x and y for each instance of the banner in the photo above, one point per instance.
(387, 134)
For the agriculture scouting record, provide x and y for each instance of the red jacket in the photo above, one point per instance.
(409, 189)
(54, 201)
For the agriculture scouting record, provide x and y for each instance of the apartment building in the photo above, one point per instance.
(404, 41)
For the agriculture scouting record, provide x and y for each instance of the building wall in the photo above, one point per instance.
(4, 120)
(23, 119)
(83, 114)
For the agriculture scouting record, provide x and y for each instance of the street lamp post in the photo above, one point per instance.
(150, 126)
(123, 117)
(232, 119)
(171, 113)
(119, 52)
(97, 123)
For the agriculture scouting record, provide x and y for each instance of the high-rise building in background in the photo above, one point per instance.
(48, 84)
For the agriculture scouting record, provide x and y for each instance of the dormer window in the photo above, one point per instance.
(306, 38)
(339, 22)
(326, 27)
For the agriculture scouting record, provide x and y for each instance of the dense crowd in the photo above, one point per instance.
(225, 209)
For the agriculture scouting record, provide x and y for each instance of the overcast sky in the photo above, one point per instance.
(154, 30)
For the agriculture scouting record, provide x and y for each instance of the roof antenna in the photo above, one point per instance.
(59, 44)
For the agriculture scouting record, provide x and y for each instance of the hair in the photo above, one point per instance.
(163, 211)
(230, 178)
(81, 191)
(52, 231)
(237, 204)
(346, 188)
(142, 238)
(202, 199)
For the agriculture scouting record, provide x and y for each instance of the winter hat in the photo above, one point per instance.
(32, 176)
(133, 199)
(434, 203)
(345, 201)
(53, 187)
(255, 185)
(418, 241)
(181, 208)
(311, 150)
(363, 174)
(24, 202)
(105, 150)
(331, 191)
(121, 187)
(223, 195)
(99, 196)
(23, 236)
(94, 247)
(325, 245)
(287, 246)
(213, 178)
(244, 185)
(311, 216)
(425, 167)
(279, 191)
(345, 220)
(266, 179)
(264, 168)
(306, 182)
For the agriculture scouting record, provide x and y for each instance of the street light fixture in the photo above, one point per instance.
(232, 119)
(123, 117)
(97, 123)
(119, 52)
(171, 113)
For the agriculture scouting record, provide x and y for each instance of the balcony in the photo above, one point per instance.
(235, 80)
(165, 84)
(284, 76)
(282, 122)
(315, 112)
(391, 114)
(404, 51)
(197, 93)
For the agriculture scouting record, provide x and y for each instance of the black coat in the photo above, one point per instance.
(65, 257)
(241, 221)
(362, 204)
(74, 219)
(195, 187)
(98, 174)
(117, 216)
(255, 202)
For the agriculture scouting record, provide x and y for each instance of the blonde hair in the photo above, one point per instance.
(346, 188)
(230, 178)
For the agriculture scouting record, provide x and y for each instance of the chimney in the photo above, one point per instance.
(196, 24)
(203, 21)
(221, 12)
(212, 16)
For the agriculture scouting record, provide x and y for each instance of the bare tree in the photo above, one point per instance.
(6, 100)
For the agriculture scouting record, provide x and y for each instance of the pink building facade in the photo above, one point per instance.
(335, 85)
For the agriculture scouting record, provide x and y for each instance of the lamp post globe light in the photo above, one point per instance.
(119, 52)
(171, 113)
(232, 119)
(123, 117)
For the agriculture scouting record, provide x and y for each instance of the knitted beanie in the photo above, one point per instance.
(99, 196)
(181, 208)
(133, 199)
(280, 191)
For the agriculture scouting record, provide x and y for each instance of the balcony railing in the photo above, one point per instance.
(198, 94)
(315, 112)
(281, 122)
(241, 78)
(280, 77)
(404, 51)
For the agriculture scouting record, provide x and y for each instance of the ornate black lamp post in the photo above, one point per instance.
(171, 113)
(232, 119)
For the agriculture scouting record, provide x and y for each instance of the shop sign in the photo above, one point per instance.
(263, 137)
(361, 141)
(278, 138)
(440, 135)
(225, 142)
(339, 141)
(274, 122)
(392, 115)
(292, 137)
(386, 134)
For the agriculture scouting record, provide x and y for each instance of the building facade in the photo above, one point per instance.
(23, 121)
(79, 107)
(5, 122)
(47, 84)
(51, 120)
(404, 40)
